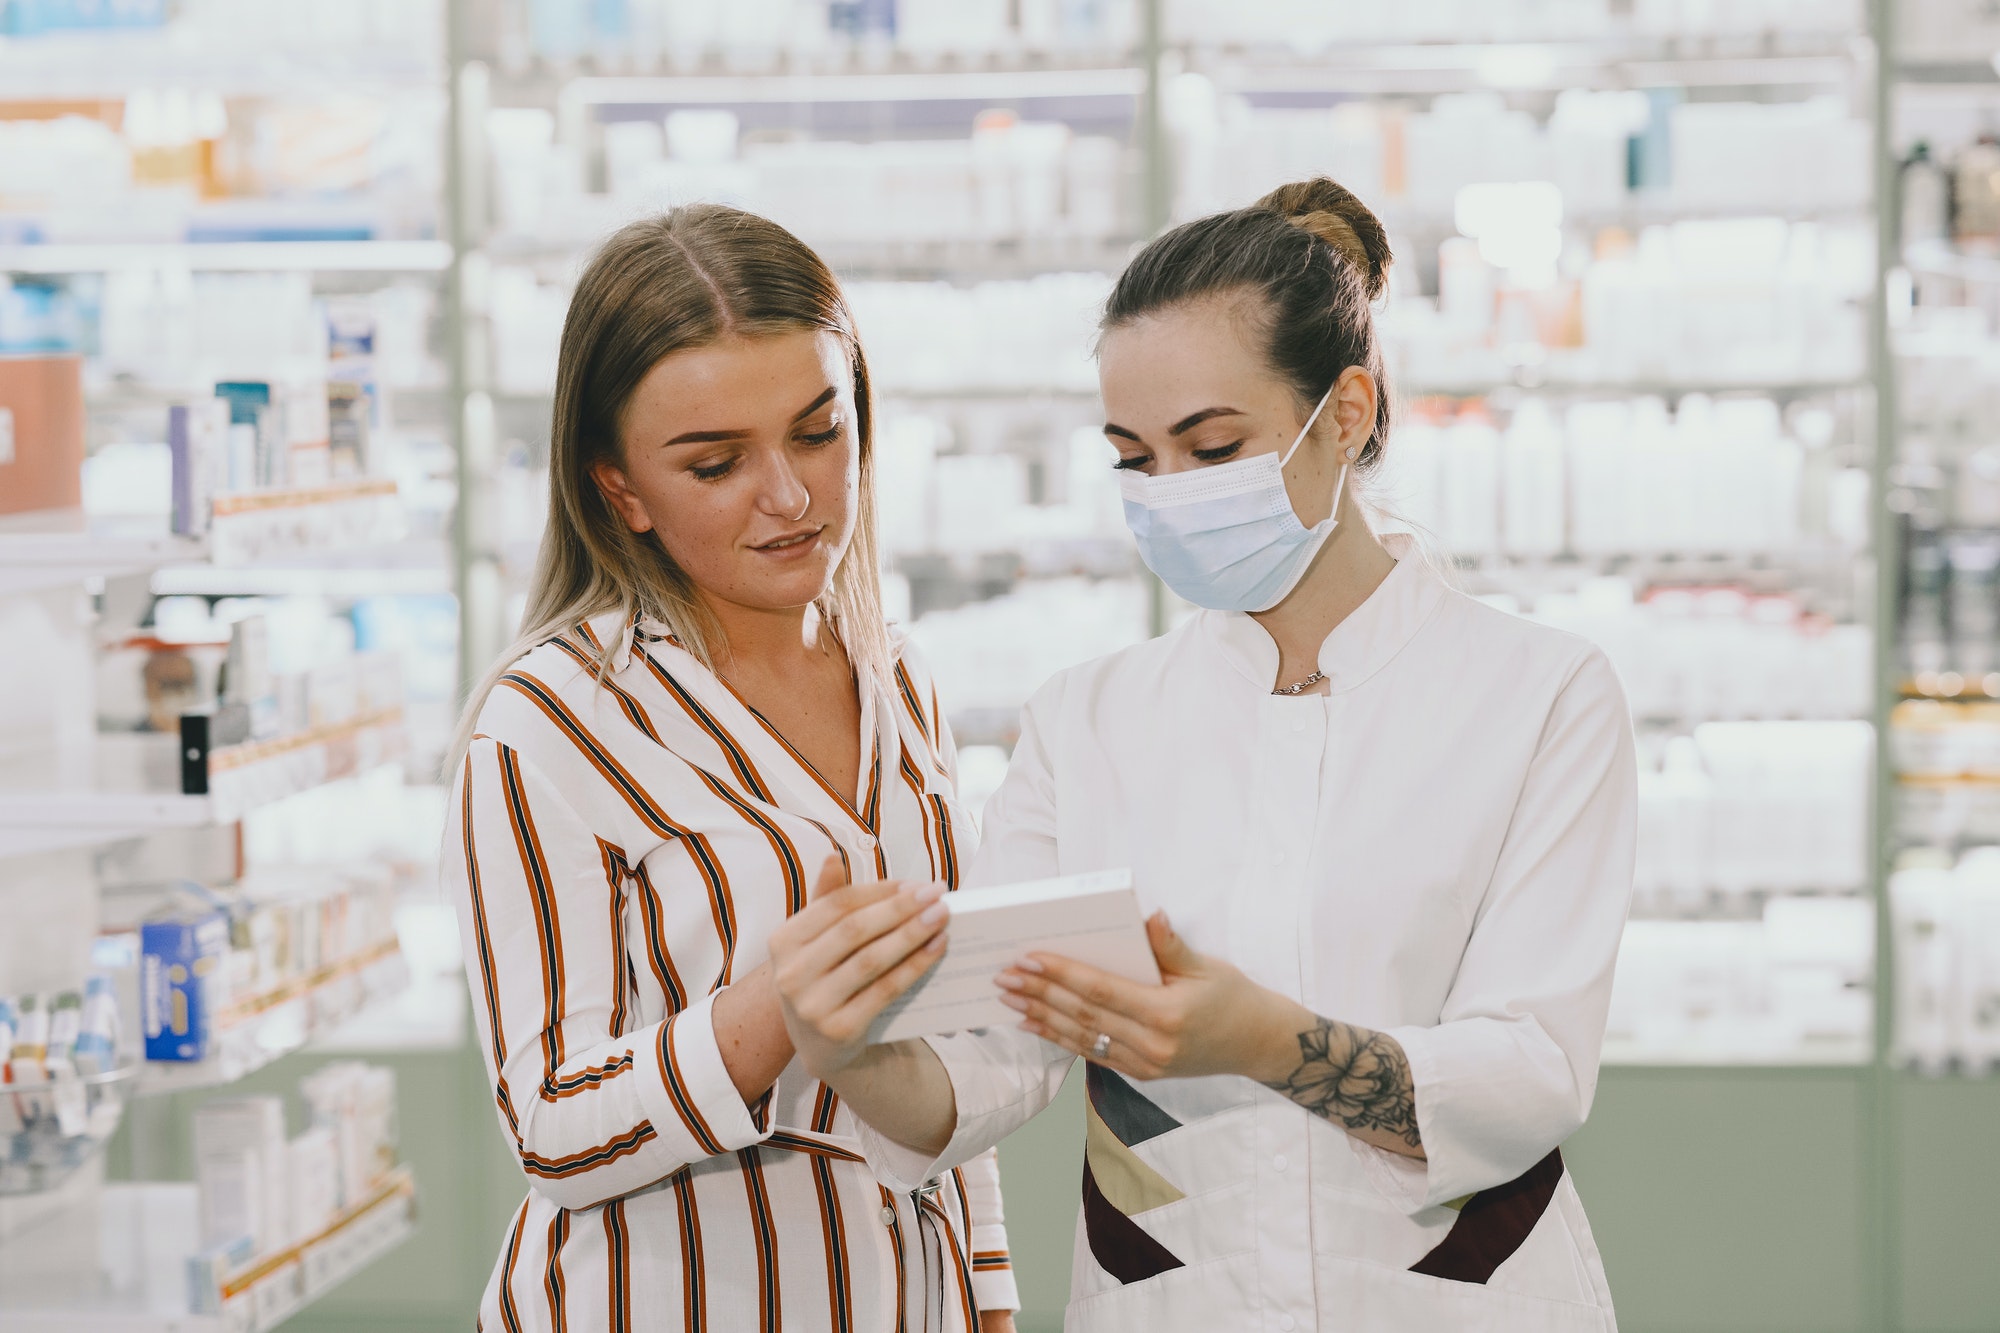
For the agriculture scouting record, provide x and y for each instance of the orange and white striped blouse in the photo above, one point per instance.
(619, 849)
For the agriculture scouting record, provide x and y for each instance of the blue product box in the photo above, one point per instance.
(179, 956)
(244, 398)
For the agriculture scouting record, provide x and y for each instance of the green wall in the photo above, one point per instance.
(1724, 1201)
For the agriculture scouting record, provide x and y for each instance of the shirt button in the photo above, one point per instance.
(888, 1217)
(1299, 728)
(1280, 1162)
(1277, 858)
(1287, 1323)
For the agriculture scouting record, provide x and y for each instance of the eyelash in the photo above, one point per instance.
(718, 471)
(1215, 455)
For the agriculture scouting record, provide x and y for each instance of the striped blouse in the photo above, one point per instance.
(618, 849)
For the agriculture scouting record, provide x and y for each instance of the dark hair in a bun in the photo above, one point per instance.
(1314, 256)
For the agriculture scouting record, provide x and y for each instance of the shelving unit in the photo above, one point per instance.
(154, 287)
(258, 1029)
(146, 1231)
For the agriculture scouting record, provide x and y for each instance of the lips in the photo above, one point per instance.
(790, 541)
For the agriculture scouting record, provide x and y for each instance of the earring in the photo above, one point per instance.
(1352, 454)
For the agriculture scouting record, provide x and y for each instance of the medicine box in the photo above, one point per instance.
(179, 956)
(41, 433)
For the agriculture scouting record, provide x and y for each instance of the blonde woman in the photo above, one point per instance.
(705, 721)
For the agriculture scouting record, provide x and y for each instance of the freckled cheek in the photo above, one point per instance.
(700, 525)
(834, 479)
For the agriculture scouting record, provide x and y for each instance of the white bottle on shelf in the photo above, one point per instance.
(1533, 484)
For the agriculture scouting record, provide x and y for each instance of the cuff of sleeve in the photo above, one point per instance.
(992, 1270)
(1412, 1184)
(983, 1116)
(690, 1094)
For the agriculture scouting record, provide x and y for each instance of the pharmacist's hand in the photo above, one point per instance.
(1205, 1017)
(841, 960)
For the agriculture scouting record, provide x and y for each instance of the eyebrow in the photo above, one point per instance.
(717, 436)
(1181, 427)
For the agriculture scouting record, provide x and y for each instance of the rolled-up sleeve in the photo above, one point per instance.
(1510, 1069)
(593, 1113)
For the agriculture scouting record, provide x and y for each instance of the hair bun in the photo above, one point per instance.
(1337, 216)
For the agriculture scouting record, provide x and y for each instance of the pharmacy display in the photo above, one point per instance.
(276, 366)
(226, 479)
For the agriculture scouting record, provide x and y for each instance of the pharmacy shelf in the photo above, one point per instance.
(1951, 687)
(51, 548)
(147, 1234)
(984, 87)
(106, 65)
(1944, 259)
(414, 568)
(230, 256)
(1949, 73)
(331, 525)
(960, 260)
(241, 778)
(1407, 68)
(1410, 386)
(1406, 223)
(255, 1030)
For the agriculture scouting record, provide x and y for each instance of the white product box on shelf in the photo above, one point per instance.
(1947, 938)
(253, 526)
(151, 1278)
(1792, 988)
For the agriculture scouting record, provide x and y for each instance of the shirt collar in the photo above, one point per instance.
(618, 629)
(1360, 645)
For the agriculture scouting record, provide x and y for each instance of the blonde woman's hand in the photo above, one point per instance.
(846, 955)
(996, 1321)
(1205, 1017)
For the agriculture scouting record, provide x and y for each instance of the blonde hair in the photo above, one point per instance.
(685, 279)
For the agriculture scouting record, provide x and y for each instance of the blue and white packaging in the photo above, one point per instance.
(180, 955)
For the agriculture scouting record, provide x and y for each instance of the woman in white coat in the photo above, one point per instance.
(1391, 829)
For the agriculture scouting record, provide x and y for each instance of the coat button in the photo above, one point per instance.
(1287, 1323)
(1280, 1162)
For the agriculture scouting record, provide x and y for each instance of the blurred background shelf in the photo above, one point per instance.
(355, 256)
(241, 778)
(146, 1233)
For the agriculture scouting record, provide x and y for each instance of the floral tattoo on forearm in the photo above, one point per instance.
(1356, 1078)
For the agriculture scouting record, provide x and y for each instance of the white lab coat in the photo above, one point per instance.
(1442, 849)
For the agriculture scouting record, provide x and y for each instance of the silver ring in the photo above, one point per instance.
(1101, 1047)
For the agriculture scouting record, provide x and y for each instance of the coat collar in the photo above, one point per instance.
(1360, 645)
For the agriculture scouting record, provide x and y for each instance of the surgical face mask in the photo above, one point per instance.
(1226, 537)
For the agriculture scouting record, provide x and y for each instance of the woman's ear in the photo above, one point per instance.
(1353, 411)
(618, 493)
